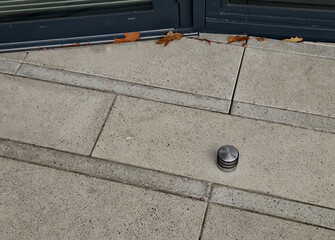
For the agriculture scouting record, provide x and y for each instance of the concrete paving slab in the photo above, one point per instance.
(318, 50)
(103, 169)
(15, 56)
(168, 183)
(185, 141)
(274, 206)
(9, 67)
(43, 203)
(299, 119)
(186, 65)
(227, 223)
(125, 88)
(287, 81)
(51, 115)
(328, 44)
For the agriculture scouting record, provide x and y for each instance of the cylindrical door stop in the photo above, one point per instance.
(227, 158)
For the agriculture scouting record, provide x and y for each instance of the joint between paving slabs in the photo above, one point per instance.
(25, 57)
(206, 198)
(142, 186)
(237, 77)
(103, 126)
(285, 123)
(93, 160)
(231, 103)
(207, 194)
(267, 195)
(186, 94)
(21, 63)
(270, 215)
(209, 188)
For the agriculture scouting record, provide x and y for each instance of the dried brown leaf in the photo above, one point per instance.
(232, 39)
(169, 37)
(203, 40)
(293, 39)
(245, 45)
(71, 45)
(129, 37)
(260, 39)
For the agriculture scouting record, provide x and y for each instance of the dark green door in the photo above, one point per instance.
(311, 19)
(307, 4)
(36, 23)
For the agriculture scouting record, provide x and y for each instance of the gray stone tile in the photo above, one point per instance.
(328, 44)
(298, 119)
(185, 141)
(186, 65)
(283, 208)
(15, 56)
(43, 203)
(105, 169)
(318, 50)
(51, 115)
(9, 66)
(287, 81)
(227, 223)
(125, 88)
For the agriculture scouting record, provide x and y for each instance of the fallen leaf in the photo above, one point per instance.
(232, 39)
(245, 45)
(203, 39)
(260, 39)
(170, 37)
(71, 45)
(129, 37)
(293, 39)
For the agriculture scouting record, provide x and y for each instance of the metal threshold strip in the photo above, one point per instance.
(85, 40)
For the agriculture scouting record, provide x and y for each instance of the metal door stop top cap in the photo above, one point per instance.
(227, 158)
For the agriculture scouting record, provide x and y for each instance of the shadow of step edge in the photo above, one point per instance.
(288, 117)
(125, 88)
(104, 169)
(177, 185)
(274, 206)
(9, 67)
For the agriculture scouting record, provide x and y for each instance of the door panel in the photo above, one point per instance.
(310, 4)
(272, 21)
(76, 22)
(23, 10)
(37, 23)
